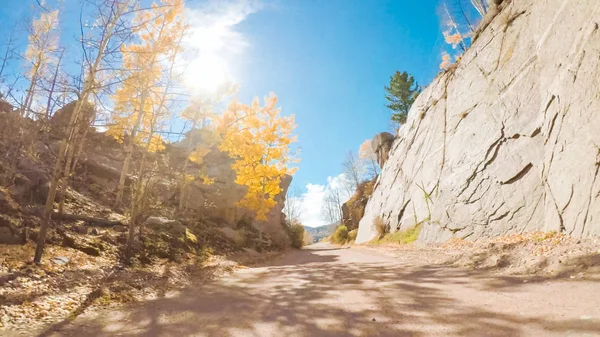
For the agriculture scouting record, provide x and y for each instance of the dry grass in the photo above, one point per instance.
(381, 227)
(352, 235)
(400, 237)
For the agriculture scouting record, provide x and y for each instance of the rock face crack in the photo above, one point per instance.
(587, 211)
(502, 216)
(518, 127)
(401, 214)
(491, 216)
(519, 175)
(553, 119)
(558, 211)
(495, 147)
(470, 199)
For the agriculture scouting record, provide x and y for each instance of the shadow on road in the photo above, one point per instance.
(314, 293)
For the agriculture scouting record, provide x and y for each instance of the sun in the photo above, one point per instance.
(207, 74)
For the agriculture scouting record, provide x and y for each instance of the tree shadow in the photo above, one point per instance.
(321, 293)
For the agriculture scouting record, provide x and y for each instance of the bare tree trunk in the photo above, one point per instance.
(53, 85)
(80, 149)
(466, 17)
(56, 180)
(183, 182)
(136, 200)
(65, 175)
(72, 158)
(8, 52)
(29, 97)
(480, 6)
(183, 185)
(374, 167)
(56, 172)
(129, 151)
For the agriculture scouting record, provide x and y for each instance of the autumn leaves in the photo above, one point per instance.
(256, 137)
(133, 69)
(259, 139)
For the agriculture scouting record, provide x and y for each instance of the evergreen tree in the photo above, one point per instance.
(401, 94)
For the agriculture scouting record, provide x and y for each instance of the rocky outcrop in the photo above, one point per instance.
(101, 162)
(507, 141)
(5, 106)
(381, 145)
(353, 210)
(31, 183)
(61, 119)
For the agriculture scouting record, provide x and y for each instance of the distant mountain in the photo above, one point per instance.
(322, 231)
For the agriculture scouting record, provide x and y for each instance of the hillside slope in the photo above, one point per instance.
(321, 232)
(508, 140)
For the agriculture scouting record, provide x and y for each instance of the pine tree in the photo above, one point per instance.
(401, 94)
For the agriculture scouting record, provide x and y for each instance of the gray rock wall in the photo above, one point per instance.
(507, 142)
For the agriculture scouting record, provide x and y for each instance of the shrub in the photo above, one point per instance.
(381, 227)
(352, 235)
(340, 235)
(296, 234)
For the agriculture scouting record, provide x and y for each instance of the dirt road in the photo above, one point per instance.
(329, 291)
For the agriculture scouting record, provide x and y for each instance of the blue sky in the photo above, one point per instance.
(327, 60)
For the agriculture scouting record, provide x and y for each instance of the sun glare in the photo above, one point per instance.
(207, 74)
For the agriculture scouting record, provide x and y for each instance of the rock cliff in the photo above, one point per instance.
(508, 140)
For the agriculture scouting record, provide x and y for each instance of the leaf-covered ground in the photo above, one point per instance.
(69, 282)
(548, 254)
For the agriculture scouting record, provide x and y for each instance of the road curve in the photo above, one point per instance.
(329, 291)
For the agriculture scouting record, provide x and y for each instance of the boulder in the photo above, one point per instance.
(230, 233)
(219, 200)
(353, 210)
(381, 145)
(31, 184)
(61, 118)
(8, 237)
(506, 141)
(85, 245)
(164, 224)
(10, 233)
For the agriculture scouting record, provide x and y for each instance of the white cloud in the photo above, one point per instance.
(214, 42)
(310, 206)
(311, 201)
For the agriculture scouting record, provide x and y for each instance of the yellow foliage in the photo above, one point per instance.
(453, 39)
(365, 151)
(446, 63)
(258, 139)
(207, 181)
(139, 101)
(42, 41)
